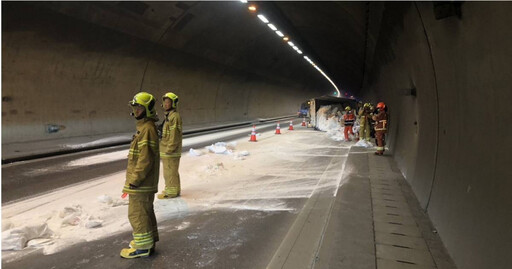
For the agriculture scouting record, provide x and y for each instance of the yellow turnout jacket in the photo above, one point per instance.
(143, 160)
(170, 145)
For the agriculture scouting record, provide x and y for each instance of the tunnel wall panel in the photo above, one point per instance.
(413, 119)
(459, 152)
(67, 72)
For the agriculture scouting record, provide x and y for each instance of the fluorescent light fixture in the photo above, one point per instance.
(279, 33)
(262, 18)
(329, 79)
(286, 38)
(295, 48)
(299, 51)
(291, 44)
(243, 1)
(252, 8)
(272, 26)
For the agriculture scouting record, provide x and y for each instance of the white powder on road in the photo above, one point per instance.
(103, 141)
(279, 167)
(91, 160)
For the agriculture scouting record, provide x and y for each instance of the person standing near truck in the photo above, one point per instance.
(364, 121)
(348, 122)
(381, 120)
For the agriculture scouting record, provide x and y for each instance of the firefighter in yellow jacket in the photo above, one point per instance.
(142, 178)
(170, 146)
(364, 122)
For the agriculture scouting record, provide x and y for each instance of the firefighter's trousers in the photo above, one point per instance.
(142, 218)
(171, 176)
(348, 129)
(364, 131)
(380, 137)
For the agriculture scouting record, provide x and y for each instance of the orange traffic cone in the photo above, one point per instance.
(291, 126)
(253, 134)
(303, 122)
(278, 129)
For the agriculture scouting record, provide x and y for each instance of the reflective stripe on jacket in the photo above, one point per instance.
(170, 145)
(381, 121)
(143, 160)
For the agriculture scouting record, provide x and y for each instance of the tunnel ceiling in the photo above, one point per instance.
(334, 32)
(331, 33)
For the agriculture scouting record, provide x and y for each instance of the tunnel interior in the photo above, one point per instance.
(443, 69)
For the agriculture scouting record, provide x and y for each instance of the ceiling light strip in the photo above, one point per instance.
(262, 18)
(280, 34)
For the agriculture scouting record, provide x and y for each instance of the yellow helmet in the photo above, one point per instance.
(173, 97)
(147, 101)
(348, 108)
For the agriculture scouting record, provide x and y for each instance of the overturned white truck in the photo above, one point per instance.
(336, 107)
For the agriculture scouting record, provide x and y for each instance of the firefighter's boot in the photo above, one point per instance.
(170, 192)
(167, 196)
(132, 253)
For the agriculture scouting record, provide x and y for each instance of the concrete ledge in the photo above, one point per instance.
(15, 152)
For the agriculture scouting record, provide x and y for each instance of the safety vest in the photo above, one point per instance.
(349, 119)
(143, 160)
(171, 143)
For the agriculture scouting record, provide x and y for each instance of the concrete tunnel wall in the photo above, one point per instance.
(62, 69)
(451, 140)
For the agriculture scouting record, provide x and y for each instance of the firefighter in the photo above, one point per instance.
(381, 120)
(142, 178)
(364, 122)
(373, 111)
(348, 121)
(170, 146)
